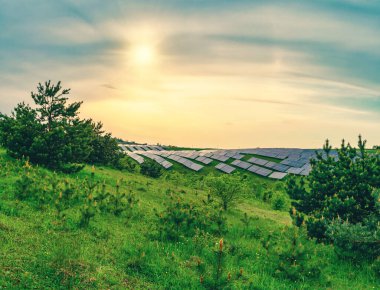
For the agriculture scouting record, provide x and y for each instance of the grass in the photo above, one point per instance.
(38, 250)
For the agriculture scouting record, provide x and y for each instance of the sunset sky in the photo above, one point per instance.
(221, 74)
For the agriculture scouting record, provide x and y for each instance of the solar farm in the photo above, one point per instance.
(274, 163)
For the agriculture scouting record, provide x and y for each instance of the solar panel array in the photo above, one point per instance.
(275, 163)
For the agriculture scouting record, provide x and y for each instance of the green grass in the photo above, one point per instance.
(37, 250)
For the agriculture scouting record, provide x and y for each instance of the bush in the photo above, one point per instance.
(295, 259)
(227, 189)
(184, 219)
(151, 168)
(127, 163)
(280, 201)
(355, 241)
(376, 267)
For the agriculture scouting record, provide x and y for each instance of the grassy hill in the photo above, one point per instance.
(44, 246)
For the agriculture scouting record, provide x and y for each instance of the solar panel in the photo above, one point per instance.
(263, 172)
(166, 164)
(277, 175)
(204, 160)
(122, 147)
(196, 167)
(189, 164)
(225, 168)
(282, 156)
(136, 157)
(132, 148)
(241, 164)
(258, 161)
(237, 156)
(295, 170)
(270, 164)
(219, 157)
(220, 165)
(236, 162)
(280, 167)
(157, 158)
(254, 168)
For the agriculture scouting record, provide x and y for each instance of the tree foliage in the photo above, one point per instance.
(339, 189)
(227, 189)
(151, 168)
(52, 133)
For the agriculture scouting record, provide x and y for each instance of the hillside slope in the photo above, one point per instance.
(44, 245)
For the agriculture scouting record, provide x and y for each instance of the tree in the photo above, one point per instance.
(226, 188)
(51, 104)
(53, 135)
(339, 188)
(18, 131)
(151, 168)
(105, 149)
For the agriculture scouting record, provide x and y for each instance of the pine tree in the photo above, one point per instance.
(338, 188)
(53, 135)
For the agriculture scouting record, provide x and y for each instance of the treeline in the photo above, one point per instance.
(52, 134)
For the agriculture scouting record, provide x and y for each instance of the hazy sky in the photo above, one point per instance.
(203, 73)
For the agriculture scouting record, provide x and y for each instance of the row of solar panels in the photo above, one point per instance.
(177, 156)
(186, 162)
(133, 148)
(294, 161)
(259, 170)
(294, 157)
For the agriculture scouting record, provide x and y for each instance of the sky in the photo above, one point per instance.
(220, 74)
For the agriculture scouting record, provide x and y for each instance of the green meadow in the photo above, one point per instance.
(68, 231)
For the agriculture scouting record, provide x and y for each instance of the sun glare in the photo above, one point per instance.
(143, 54)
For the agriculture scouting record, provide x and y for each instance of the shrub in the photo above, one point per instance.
(227, 189)
(355, 241)
(88, 211)
(279, 201)
(179, 219)
(127, 163)
(184, 219)
(294, 257)
(122, 202)
(376, 267)
(151, 168)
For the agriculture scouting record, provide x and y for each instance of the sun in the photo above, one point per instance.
(143, 54)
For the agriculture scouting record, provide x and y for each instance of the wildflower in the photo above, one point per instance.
(221, 245)
(201, 279)
(27, 164)
(229, 276)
